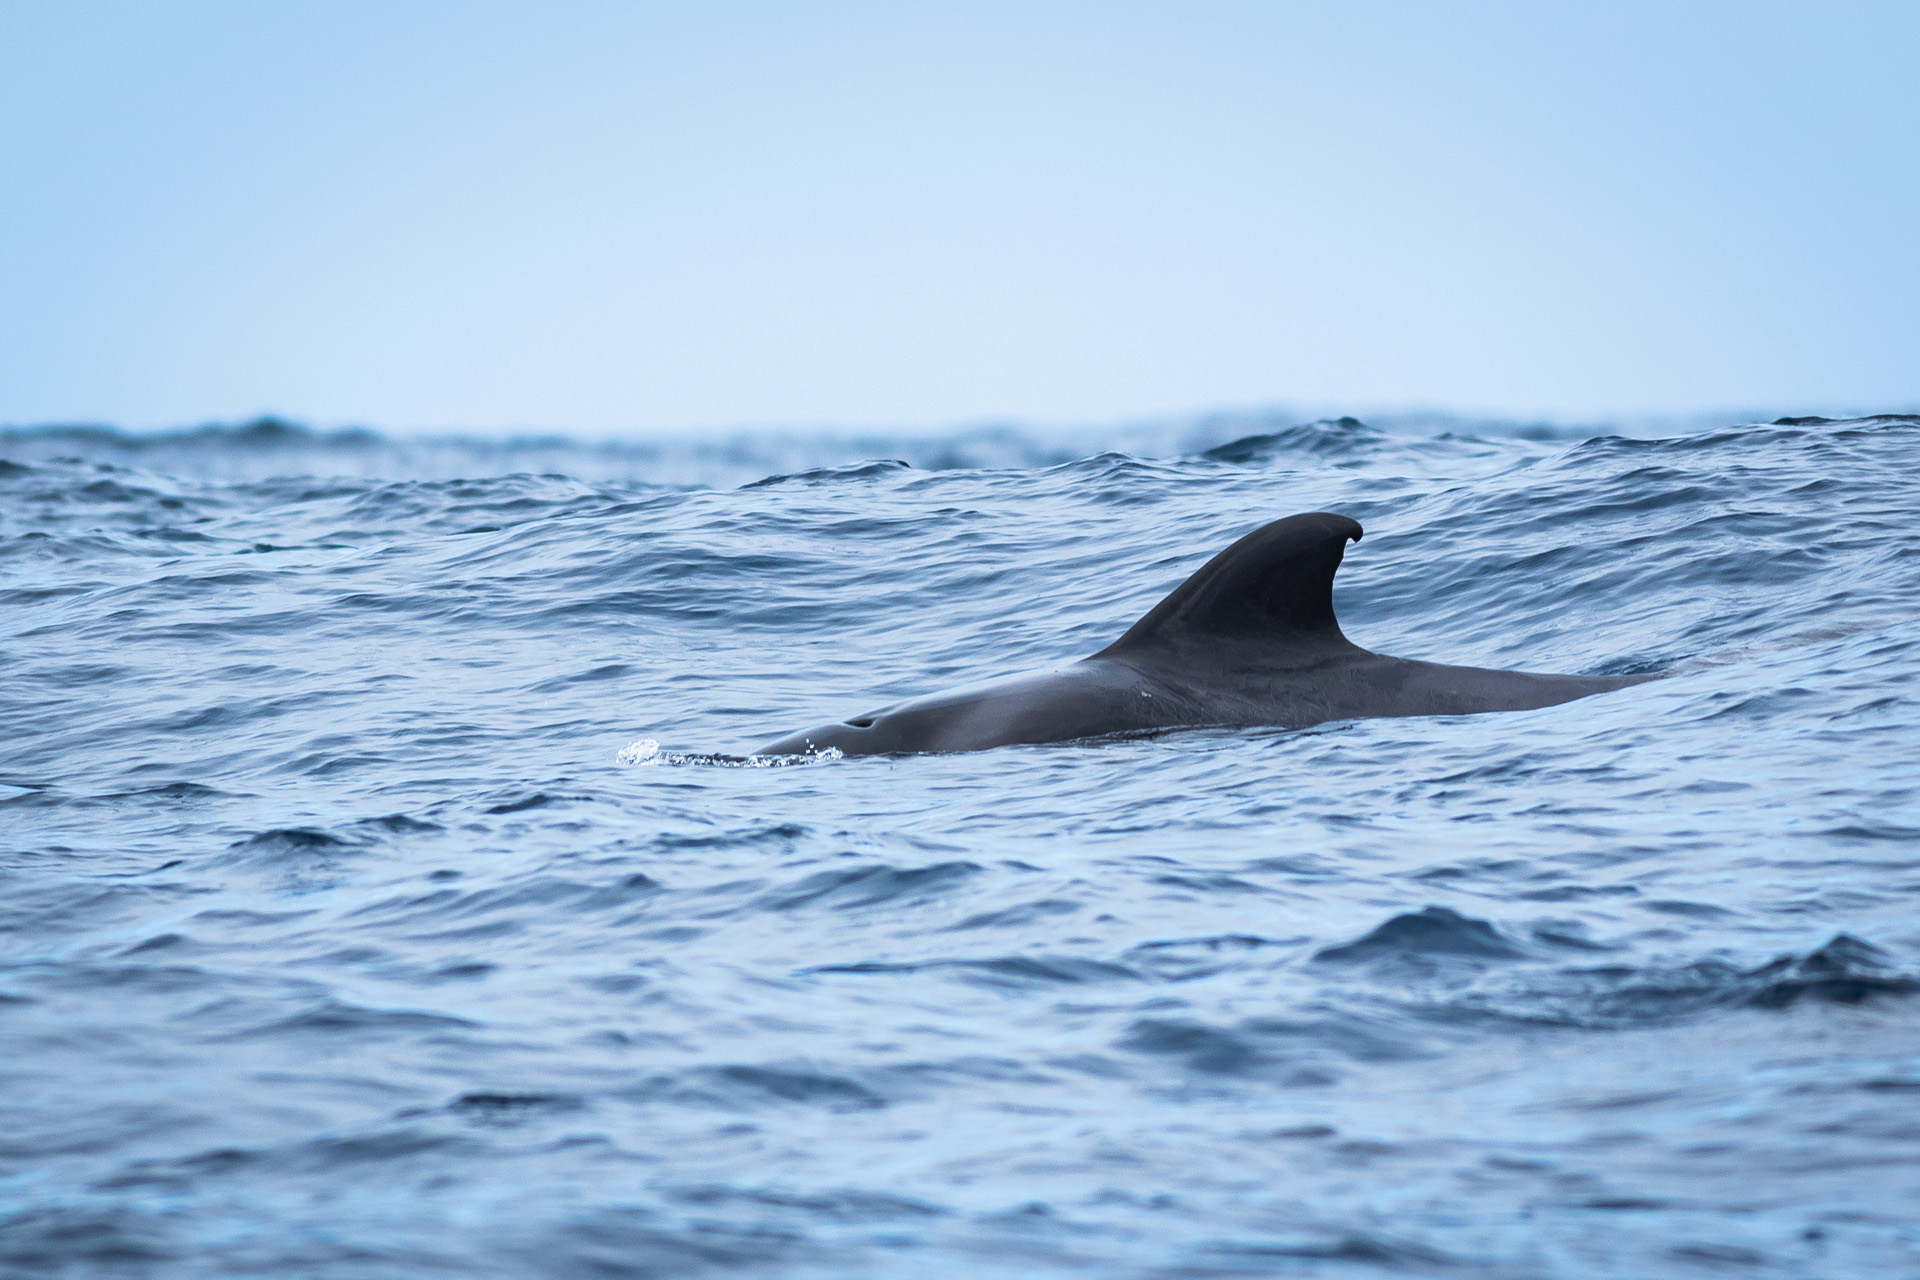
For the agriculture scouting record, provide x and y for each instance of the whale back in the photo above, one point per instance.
(1275, 586)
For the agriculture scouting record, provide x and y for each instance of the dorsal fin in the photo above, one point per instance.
(1275, 584)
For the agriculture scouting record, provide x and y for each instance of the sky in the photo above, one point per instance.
(627, 218)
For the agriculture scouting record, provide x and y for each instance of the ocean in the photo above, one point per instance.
(386, 890)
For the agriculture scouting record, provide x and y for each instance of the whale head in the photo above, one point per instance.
(860, 736)
(1087, 699)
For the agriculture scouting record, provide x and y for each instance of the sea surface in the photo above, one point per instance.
(385, 890)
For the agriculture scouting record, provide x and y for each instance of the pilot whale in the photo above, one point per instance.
(1250, 639)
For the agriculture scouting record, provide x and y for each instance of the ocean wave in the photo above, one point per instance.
(389, 888)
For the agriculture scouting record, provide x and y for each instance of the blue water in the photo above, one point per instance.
(383, 891)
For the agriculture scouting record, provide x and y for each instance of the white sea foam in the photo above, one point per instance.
(640, 751)
(646, 751)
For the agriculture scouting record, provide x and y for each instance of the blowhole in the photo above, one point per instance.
(861, 722)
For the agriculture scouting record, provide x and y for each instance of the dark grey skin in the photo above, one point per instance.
(1250, 639)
